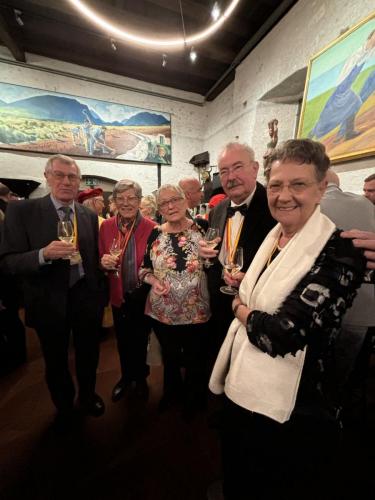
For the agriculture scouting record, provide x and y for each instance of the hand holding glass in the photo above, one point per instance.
(115, 251)
(232, 264)
(65, 232)
(210, 238)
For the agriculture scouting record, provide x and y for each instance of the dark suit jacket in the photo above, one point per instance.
(257, 224)
(31, 225)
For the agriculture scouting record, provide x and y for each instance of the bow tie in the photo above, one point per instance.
(232, 210)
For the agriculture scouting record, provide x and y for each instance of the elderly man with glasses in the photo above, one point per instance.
(122, 244)
(62, 283)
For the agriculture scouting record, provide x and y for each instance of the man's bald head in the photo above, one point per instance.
(332, 177)
(192, 189)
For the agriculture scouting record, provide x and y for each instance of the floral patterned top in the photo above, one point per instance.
(174, 257)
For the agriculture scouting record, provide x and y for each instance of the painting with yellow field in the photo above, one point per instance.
(338, 107)
(49, 122)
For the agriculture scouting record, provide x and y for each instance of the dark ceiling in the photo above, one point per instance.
(54, 29)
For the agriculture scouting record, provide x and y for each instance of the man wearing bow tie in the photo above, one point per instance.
(62, 284)
(250, 221)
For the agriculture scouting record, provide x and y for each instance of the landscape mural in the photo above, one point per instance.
(339, 102)
(49, 122)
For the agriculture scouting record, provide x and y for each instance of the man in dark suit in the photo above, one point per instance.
(247, 209)
(61, 283)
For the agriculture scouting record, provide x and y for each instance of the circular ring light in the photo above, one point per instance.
(151, 42)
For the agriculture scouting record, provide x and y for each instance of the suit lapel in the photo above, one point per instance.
(49, 219)
(83, 226)
(219, 219)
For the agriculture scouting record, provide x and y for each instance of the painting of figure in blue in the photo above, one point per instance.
(49, 122)
(339, 102)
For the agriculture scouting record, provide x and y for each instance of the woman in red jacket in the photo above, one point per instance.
(122, 244)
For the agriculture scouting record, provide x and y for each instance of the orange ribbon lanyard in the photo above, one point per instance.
(75, 231)
(124, 240)
(231, 251)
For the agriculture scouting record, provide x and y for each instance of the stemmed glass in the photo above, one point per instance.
(65, 232)
(210, 238)
(115, 251)
(232, 264)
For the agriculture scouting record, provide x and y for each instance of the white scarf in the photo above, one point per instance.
(248, 376)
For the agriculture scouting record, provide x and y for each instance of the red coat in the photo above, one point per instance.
(109, 231)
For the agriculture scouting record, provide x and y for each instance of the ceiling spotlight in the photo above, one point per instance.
(215, 12)
(113, 44)
(164, 60)
(17, 15)
(193, 55)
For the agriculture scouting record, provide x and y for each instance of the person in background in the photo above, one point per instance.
(61, 284)
(281, 425)
(93, 199)
(178, 301)
(5, 198)
(112, 210)
(243, 220)
(148, 207)
(192, 190)
(369, 188)
(122, 244)
(349, 210)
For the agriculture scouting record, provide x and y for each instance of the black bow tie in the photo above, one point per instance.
(232, 210)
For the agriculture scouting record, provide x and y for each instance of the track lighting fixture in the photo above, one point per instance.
(193, 55)
(164, 60)
(17, 15)
(113, 44)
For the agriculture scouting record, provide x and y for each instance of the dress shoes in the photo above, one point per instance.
(93, 405)
(119, 390)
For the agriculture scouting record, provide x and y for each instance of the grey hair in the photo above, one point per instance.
(169, 187)
(126, 184)
(237, 146)
(64, 159)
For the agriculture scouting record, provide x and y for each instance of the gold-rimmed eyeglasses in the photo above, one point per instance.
(294, 187)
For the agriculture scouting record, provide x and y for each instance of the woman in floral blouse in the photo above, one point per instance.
(178, 301)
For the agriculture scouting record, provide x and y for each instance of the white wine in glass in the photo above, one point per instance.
(232, 264)
(210, 238)
(115, 251)
(65, 232)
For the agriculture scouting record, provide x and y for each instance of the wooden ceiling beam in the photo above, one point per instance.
(11, 40)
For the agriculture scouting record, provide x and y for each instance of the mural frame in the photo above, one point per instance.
(338, 107)
(48, 122)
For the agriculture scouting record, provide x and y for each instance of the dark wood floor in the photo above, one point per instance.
(132, 452)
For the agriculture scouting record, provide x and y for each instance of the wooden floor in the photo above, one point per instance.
(132, 452)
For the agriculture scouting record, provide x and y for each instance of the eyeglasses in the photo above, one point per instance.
(294, 187)
(173, 201)
(126, 200)
(60, 176)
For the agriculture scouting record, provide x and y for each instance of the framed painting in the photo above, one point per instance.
(48, 122)
(338, 107)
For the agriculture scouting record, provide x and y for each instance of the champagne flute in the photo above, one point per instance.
(115, 251)
(210, 238)
(232, 264)
(65, 232)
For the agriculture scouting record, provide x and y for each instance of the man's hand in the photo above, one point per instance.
(207, 252)
(365, 240)
(234, 280)
(109, 262)
(58, 250)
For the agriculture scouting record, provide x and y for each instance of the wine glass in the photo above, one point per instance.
(232, 264)
(65, 232)
(115, 251)
(210, 238)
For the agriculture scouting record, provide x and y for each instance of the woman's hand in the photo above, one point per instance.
(160, 287)
(240, 310)
(207, 252)
(365, 240)
(109, 262)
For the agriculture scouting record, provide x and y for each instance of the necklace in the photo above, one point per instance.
(275, 248)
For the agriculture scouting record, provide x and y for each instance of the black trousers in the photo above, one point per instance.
(263, 459)
(83, 319)
(184, 345)
(132, 330)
